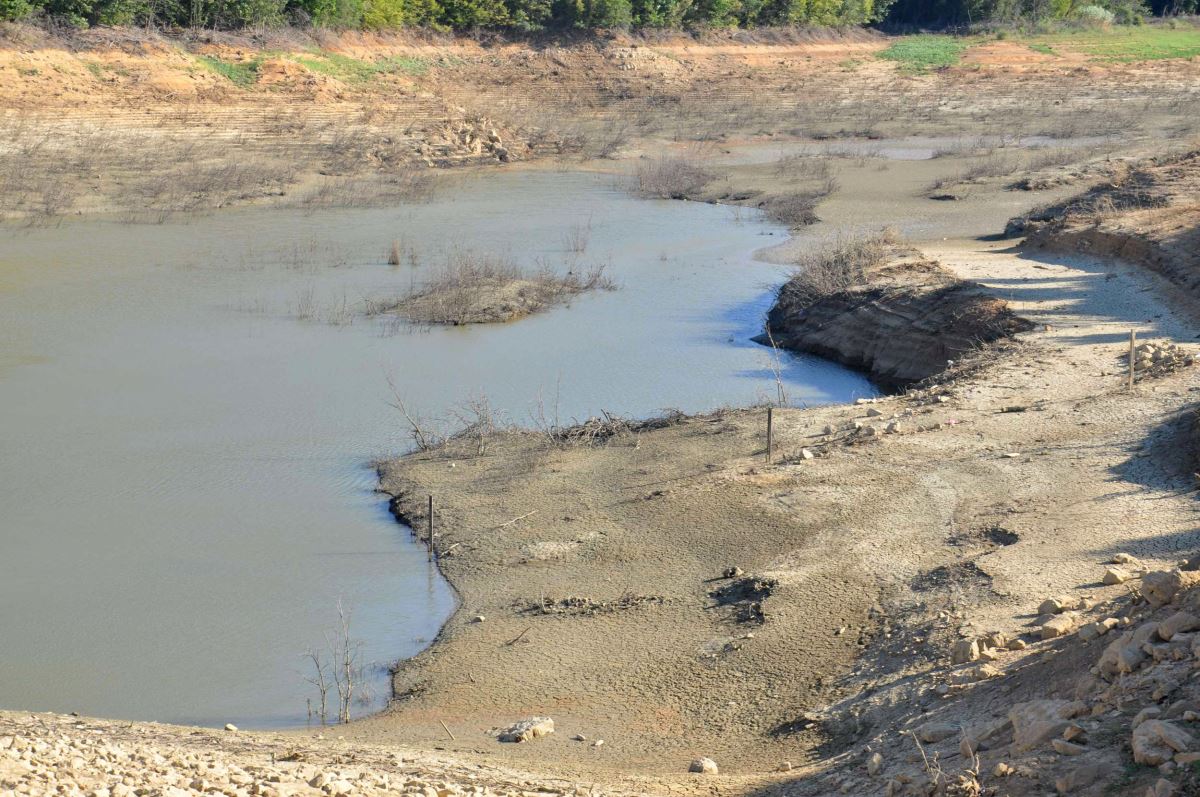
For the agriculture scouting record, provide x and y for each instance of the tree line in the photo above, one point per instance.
(537, 15)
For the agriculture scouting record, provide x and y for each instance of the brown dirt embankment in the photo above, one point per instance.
(1148, 213)
(907, 320)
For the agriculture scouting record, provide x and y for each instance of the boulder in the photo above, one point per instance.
(1063, 747)
(934, 732)
(1180, 622)
(703, 766)
(1161, 586)
(965, 650)
(1086, 775)
(1061, 625)
(1155, 742)
(874, 764)
(1116, 575)
(528, 729)
(1036, 721)
(1063, 603)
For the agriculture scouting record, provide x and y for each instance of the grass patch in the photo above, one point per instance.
(1041, 47)
(1128, 44)
(241, 75)
(354, 70)
(925, 52)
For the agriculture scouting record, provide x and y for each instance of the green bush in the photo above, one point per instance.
(12, 10)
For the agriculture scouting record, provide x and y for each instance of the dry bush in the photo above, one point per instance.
(834, 268)
(800, 209)
(474, 288)
(672, 177)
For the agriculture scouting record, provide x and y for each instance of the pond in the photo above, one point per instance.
(189, 412)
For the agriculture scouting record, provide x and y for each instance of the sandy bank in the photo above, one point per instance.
(599, 567)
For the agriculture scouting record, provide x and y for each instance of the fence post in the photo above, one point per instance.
(1132, 356)
(770, 432)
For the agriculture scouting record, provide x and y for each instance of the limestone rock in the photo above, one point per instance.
(1178, 623)
(934, 732)
(703, 766)
(1116, 575)
(1161, 586)
(1086, 775)
(1063, 747)
(1063, 603)
(965, 650)
(1155, 742)
(528, 729)
(1061, 625)
(1036, 721)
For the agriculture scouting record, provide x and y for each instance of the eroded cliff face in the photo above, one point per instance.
(905, 323)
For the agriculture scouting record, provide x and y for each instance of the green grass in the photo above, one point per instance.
(1128, 44)
(96, 70)
(925, 52)
(353, 70)
(241, 75)
(1042, 47)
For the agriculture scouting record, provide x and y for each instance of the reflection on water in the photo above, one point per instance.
(188, 413)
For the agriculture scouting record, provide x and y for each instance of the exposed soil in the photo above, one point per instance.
(901, 324)
(658, 585)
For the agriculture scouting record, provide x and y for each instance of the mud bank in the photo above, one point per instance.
(905, 323)
(663, 589)
(1145, 214)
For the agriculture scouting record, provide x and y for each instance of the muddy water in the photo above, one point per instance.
(188, 413)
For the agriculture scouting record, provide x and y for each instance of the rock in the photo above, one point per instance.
(1125, 654)
(1116, 575)
(1063, 603)
(1161, 586)
(1187, 759)
(873, 413)
(980, 672)
(1017, 644)
(479, 618)
(1063, 747)
(732, 572)
(784, 766)
(1086, 775)
(996, 639)
(1061, 625)
(874, 764)
(1125, 559)
(895, 427)
(934, 732)
(1178, 623)
(229, 726)
(1155, 742)
(1036, 721)
(528, 729)
(1161, 788)
(805, 454)
(1001, 770)
(965, 650)
(704, 766)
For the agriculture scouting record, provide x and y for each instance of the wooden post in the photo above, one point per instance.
(1132, 355)
(770, 432)
(430, 550)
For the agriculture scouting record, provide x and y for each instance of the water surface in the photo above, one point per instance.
(187, 421)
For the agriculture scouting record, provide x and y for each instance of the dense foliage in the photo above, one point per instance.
(525, 15)
(534, 15)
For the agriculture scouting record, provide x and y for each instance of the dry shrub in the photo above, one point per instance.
(474, 288)
(672, 177)
(834, 268)
(799, 209)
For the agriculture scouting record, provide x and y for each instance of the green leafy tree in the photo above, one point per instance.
(12, 10)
